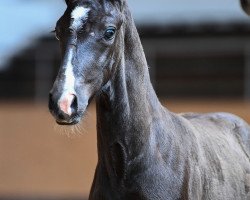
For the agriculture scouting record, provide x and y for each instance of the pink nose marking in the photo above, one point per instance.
(65, 104)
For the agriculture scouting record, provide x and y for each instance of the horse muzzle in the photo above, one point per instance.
(65, 109)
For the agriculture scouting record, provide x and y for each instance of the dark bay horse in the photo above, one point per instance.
(145, 152)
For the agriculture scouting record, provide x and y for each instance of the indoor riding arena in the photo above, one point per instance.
(198, 56)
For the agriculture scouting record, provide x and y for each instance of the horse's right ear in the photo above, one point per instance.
(245, 4)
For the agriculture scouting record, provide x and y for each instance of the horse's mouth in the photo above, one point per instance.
(70, 121)
(67, 123)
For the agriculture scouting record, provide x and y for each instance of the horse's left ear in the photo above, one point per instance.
(245, 4)
(67, 2)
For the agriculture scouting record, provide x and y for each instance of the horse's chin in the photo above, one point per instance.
(74, 120)
(70, 128)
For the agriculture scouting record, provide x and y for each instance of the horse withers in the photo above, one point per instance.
(145, 152)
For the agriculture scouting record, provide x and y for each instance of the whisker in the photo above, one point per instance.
(72, 131)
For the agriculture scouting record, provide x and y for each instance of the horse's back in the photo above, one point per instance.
(224, 147)
(223, 122)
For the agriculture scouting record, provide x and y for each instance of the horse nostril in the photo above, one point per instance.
(74, 105)
(51, 102)
(68, 104)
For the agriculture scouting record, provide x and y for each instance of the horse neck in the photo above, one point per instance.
(128, 103)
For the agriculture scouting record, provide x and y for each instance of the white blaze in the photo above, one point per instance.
(69, 83)
(69, 86)
(79, 14)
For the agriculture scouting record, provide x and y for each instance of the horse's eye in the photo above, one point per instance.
(109, 33)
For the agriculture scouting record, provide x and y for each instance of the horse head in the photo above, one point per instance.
(90, 37)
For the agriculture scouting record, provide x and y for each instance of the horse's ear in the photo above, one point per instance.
(245, 4)
(67, 2)
(70, 1)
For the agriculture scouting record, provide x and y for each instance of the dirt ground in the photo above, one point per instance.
(36, 159)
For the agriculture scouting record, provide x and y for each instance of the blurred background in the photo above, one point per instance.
(199, 57)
